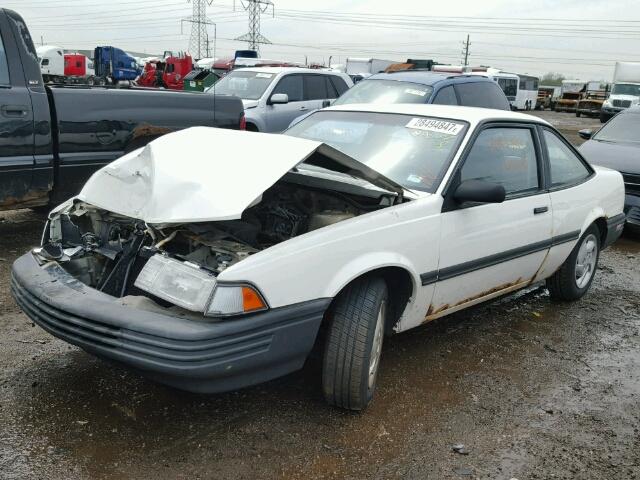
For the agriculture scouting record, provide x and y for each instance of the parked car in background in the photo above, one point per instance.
(274, 96)
(417, 86)
(361, 221)
(617, 145)
(625, 90)
(54, 138)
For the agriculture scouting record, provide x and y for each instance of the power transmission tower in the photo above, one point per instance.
(465, 51)
(255, 8)
(199, 21)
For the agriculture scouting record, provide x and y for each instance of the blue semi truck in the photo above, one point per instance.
(113, 65)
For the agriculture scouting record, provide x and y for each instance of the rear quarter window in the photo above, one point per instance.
(339, 84)
(482, 94)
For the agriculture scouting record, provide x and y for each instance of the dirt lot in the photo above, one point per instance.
(534, 390)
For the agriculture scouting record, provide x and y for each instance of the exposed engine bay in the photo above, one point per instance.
(107, 251)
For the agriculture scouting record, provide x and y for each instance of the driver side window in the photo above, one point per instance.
(505, 156)
(292, 86)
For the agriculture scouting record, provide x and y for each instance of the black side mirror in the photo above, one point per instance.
(585, 133)
(479, 191)
(326, 103)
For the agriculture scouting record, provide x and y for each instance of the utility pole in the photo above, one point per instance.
(255, 8)
(199, 21)
(465, 52)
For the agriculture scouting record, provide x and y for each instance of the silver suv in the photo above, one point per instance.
(274, 96)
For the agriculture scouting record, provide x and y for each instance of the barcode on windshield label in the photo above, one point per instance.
(439, 126)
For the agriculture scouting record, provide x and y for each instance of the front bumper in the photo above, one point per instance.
(186, 354)
(615, 225)
(612, 110)
(632, 209)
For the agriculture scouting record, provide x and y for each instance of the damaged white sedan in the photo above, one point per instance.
(212, 259)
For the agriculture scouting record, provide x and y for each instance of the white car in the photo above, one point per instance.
(274, 96)
(210, 272)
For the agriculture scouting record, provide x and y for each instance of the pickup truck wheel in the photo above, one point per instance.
(576, 274)
(354, 344)
(577, 114)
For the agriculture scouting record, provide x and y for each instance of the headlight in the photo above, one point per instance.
(607, 103)
(190, 287)
(235, 299)
(182, 284)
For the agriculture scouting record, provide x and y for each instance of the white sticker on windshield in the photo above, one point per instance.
(439, 126)
(264, 75)
(412, 91)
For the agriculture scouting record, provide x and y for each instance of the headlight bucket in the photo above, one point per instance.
(188, 286)
(180, 283)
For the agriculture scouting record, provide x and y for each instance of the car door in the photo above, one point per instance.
(482, 94)
(317, 91)
(279, 116)
(445, 96)
(572, 196)
(488, 249)
(17, 160)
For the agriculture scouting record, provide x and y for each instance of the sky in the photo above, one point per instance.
(581, 39)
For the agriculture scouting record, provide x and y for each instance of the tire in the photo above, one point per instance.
(604, 118)
(567, 284)
(354, 342)
(577, 114)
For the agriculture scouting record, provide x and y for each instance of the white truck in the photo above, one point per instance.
(51, 60)
(625, 90)
(358, 66)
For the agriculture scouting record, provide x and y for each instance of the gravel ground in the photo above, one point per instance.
(532, 389)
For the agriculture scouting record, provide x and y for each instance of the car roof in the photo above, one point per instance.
(427, 77)
(473, 115)
(276, 70)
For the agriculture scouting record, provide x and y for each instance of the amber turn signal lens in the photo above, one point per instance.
(251, 301)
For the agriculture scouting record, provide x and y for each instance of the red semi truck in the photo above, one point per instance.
(168, 73)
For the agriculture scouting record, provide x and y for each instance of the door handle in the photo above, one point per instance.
(538, 210)
(303, 108)
(14, 110)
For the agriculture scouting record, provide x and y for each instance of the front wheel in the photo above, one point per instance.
(574, 277)
(354, 344)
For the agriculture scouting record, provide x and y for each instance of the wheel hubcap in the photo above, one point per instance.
(586, 260)
(376, 348)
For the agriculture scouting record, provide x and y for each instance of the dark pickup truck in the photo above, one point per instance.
(53, 138)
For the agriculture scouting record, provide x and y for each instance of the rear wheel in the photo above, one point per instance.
(576, 274)
(354, 344)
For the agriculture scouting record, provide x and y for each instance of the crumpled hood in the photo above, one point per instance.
(203, 174)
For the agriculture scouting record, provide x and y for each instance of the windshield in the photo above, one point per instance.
(385, 91)
(624, 128)
(243, 84)
(626, 89)
(412, 151)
